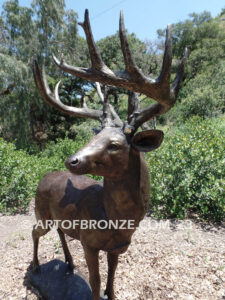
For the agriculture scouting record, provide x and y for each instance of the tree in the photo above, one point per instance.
(44, 29)
(204, 86)
(186, 33)
(144, 53)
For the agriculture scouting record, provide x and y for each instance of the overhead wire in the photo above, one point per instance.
(108, 9)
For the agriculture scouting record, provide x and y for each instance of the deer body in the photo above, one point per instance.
(114, 153)
(64, 196)
(123, 195)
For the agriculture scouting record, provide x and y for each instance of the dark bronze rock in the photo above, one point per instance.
(55, 281)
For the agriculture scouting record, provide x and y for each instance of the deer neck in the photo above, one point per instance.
(128, 196)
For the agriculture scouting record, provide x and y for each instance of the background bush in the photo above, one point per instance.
(188, 171)
(18, 177)
(21, 172)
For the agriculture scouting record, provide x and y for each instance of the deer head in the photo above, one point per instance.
(108, 153)
(117, 138)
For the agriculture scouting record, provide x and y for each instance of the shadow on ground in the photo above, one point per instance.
(56, 282)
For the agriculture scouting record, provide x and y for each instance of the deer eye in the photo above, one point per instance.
(113, 147)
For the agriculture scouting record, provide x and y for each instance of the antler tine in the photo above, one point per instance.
(96, 59)
(56, 92)
(116, 119)
(131, 66)
(83, 102)
(99, 91)
(107, 116)
(133, 104)
(41, 83)
(164, 77)
(37, 77)
(54, 100)
(179, 77)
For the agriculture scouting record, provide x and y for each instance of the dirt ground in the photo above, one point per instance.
(180, 261)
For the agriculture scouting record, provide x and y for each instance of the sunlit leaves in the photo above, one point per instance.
(188, 171)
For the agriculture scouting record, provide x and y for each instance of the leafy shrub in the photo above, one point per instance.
(201, 102)
(59, 151)
(188, 171)
(16, 182)
(21, 172)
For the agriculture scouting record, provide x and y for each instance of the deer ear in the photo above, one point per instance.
(148, 140)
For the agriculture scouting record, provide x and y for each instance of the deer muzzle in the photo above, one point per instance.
(77, 165)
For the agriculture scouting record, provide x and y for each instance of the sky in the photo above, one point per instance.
(143, 17)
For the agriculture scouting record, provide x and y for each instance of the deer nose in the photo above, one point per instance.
(72, 162)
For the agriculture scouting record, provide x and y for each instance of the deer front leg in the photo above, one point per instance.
(37, 232)
(112, 264)
(91, 256)
(68, 257)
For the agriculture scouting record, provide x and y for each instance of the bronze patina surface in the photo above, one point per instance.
(116, 153)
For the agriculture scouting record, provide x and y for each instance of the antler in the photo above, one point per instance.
(54, 100)
(132, 78)
(108, 117)
(111, 113)
(163, 105)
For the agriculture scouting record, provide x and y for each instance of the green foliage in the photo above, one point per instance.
(203, 101)
(21, 172)
(203, 90)
(59, 151)
(17, 183)
(110, 48)
(188, 168)
(189, 32)
(11, 70)
(188, 171)
(39, 31)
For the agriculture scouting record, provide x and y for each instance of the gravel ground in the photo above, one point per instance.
(180, 261)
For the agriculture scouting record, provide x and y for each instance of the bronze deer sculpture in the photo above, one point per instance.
(115, 153)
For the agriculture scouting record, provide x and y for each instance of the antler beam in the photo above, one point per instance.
(54, 100)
